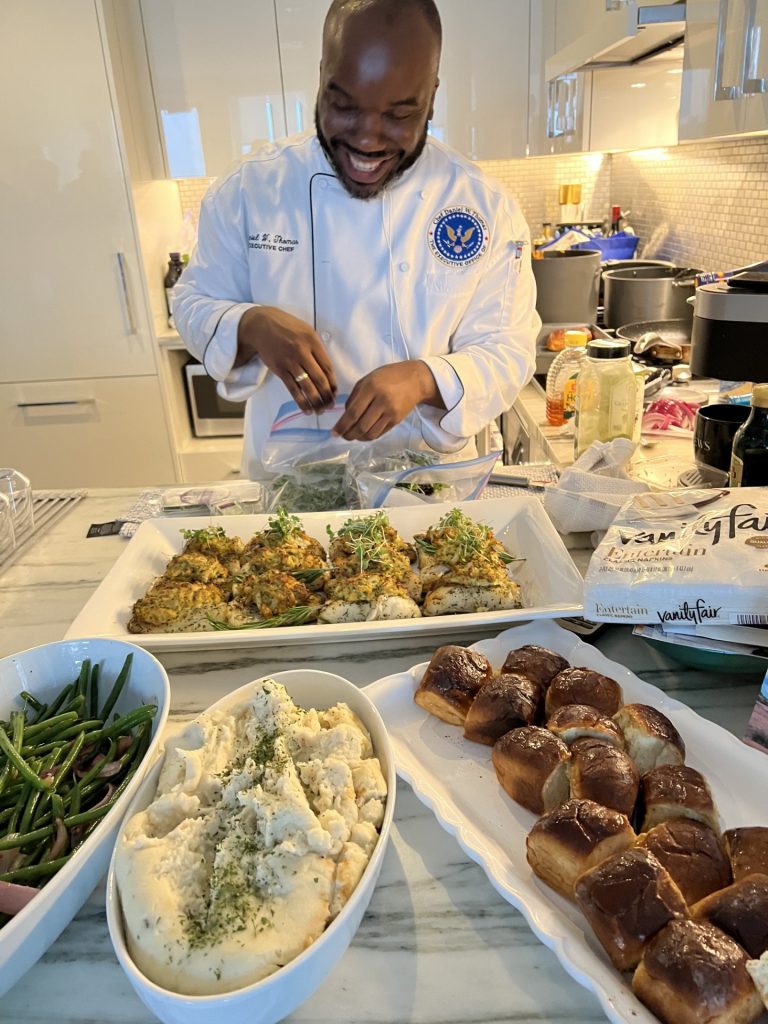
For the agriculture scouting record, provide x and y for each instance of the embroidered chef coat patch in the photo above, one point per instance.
(458, 236)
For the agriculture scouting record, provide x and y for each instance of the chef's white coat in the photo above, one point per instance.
(281, 230)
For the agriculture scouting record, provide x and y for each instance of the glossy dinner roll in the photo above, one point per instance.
(601, 772)
(451, 682)
(692, 853)
(676, 791)
(574, 837)
(576, 721)
(649, 737)
(747, 850)
(584, 686)
(741, 911)
(531, 765)
(692, 973)
(627, 899)
(507, 701)
(538, 663)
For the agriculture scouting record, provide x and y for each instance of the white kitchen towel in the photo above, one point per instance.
(591, 491)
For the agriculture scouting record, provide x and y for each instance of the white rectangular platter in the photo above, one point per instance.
(456, 780)
(551, 584)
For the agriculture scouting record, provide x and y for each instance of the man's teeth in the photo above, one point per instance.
(365, 166)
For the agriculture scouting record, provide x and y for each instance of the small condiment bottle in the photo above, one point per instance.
(607, 394)
(562, 377)
(749, 455)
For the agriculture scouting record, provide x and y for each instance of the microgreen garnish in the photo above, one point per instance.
(366, 538)
(284, 524)
(205, 535)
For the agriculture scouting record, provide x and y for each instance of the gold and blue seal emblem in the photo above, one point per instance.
(458, 236)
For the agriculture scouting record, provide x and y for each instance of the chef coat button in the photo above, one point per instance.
(422, 194)
(325, 335)
(323, 184)
(405, 266)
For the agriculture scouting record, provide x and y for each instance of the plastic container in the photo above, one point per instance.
(607, 395)
(562, 377)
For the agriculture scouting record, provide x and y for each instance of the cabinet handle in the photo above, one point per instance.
(751, 84)
(723, 92)
(554, 131)
(127, 304)
(66, 401)
(570, 105)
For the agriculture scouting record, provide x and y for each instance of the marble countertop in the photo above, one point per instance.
(438, 945)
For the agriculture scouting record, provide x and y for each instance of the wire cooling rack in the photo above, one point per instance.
(48, 507)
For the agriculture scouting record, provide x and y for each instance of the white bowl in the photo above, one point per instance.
(273, 998)
(43, 671)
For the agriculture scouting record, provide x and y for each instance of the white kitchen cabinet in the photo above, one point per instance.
(300, 33)
(106, 432)
(216, 78)
(636, 107)
(79, 397)
(559, 107)
(725, 75)
(73, 300)
(481, 108)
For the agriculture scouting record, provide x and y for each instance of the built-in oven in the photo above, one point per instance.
(210, 414)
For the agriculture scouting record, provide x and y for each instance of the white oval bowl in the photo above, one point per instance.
(274, 997)
(43, 671)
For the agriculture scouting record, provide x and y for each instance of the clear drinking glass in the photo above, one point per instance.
(7, 535)
(18, 490)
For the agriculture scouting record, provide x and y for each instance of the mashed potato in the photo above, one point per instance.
(264, 819)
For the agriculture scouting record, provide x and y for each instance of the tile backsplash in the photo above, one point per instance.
(702, 204)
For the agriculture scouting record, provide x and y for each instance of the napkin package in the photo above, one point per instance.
(683, 558)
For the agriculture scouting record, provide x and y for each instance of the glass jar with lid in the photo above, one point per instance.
(607, 394)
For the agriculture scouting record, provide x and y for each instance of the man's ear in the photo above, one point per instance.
(432, 101)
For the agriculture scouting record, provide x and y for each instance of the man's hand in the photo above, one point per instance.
(384, 397)
(291, 349)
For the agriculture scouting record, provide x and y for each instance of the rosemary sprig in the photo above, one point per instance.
(293, 617)
(308, 575)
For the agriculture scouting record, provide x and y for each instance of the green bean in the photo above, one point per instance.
(117, 688)
(20, 764)
(93, 692)
(52, 724)
(130, 721)
(39, 748)
(85, 671)
(66, 765)
(57, 703)
(33, 702)
(34, 871)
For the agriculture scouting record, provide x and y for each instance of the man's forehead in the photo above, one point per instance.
(378, 38)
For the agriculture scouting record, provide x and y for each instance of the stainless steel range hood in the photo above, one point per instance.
(633, 33)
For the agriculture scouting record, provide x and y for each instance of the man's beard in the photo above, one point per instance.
(354, 188)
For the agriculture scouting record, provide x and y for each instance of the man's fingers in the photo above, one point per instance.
(297, 393)
(357, 405)
(324, 362)
(321, 383)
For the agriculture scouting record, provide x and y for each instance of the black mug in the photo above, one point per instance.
(713, 434)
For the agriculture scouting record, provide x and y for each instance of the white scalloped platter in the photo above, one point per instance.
(551, 584)
(456, 780)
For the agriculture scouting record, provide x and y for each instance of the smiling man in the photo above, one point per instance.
(364, 273)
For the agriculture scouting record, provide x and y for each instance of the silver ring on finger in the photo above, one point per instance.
(301, 377)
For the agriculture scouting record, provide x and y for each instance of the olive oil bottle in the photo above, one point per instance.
(749, 456)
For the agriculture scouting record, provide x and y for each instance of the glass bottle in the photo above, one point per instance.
(172, 275)
(607, 394)
(749, 458)
(561, 378)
